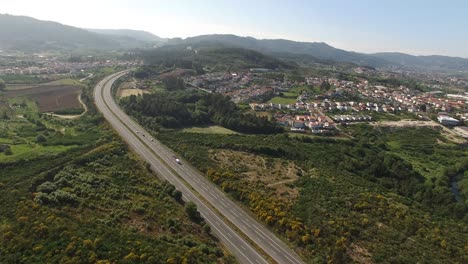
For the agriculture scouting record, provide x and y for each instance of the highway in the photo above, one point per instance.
(228, 221)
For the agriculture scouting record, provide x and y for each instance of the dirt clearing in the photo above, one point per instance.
(276, 174)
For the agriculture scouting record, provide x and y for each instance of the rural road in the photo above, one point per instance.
(242, 235)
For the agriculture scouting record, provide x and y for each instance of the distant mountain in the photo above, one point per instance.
(32, 35)
(135, 34)
(434, 62)
(325, 52)
(318, 50)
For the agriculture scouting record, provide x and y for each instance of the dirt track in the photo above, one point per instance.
(450, 134)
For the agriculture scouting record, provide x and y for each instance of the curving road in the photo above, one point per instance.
(227, 219)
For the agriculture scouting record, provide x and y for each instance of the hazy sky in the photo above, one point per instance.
(418, 27)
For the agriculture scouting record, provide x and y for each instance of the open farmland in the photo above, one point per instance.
(50, 98)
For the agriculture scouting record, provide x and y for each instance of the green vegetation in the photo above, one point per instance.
(381, 195)
(24, 79)
(364, 197)
(282, 100)
(66, 81)
(380, 116)
(73, 193)
(394, 82)
(210, 56)
(21, 128)
(96, 204)
(192, 108)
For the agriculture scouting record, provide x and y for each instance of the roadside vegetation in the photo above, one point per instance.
(353, 199)
(71, 192)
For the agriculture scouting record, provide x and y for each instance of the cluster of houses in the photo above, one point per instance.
(316, 123)
(392, 99)
(327, 105)
(240, 86)
(255, 92)
(351, 118)
(55, 66)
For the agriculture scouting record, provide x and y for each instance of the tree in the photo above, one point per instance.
(325, 86)
(2, 85)
(192, 211)
(173, 83)
(177, 195)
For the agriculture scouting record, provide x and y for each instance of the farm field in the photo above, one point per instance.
(50, 98)
(22, 86)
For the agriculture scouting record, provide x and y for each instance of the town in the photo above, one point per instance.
(318, 104)
(47, 64)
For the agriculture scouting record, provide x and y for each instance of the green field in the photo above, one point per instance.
(209, 130)
(31, 151)
(282, 100)
(66, 81)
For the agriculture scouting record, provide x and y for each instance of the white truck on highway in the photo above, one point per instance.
(178, 161)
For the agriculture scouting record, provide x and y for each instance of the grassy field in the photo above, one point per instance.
(285, 98)
(392, 117)
(31, 151)
(23, 125)
(59, 82)
(209, 130)
(282, 100)
(65, 82)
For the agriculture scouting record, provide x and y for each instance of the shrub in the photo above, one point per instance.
(41, 139)
(192, 212)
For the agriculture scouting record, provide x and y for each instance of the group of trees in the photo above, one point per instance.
(175, 110)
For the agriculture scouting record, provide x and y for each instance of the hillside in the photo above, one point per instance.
(323, 51)
(135, 34)
(434, 62)
(213, 56)
(32, 35)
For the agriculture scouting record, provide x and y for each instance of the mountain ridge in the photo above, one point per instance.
(324, 51)
(32, 35)
(136, 34)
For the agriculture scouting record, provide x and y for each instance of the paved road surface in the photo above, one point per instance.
(222, 214)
